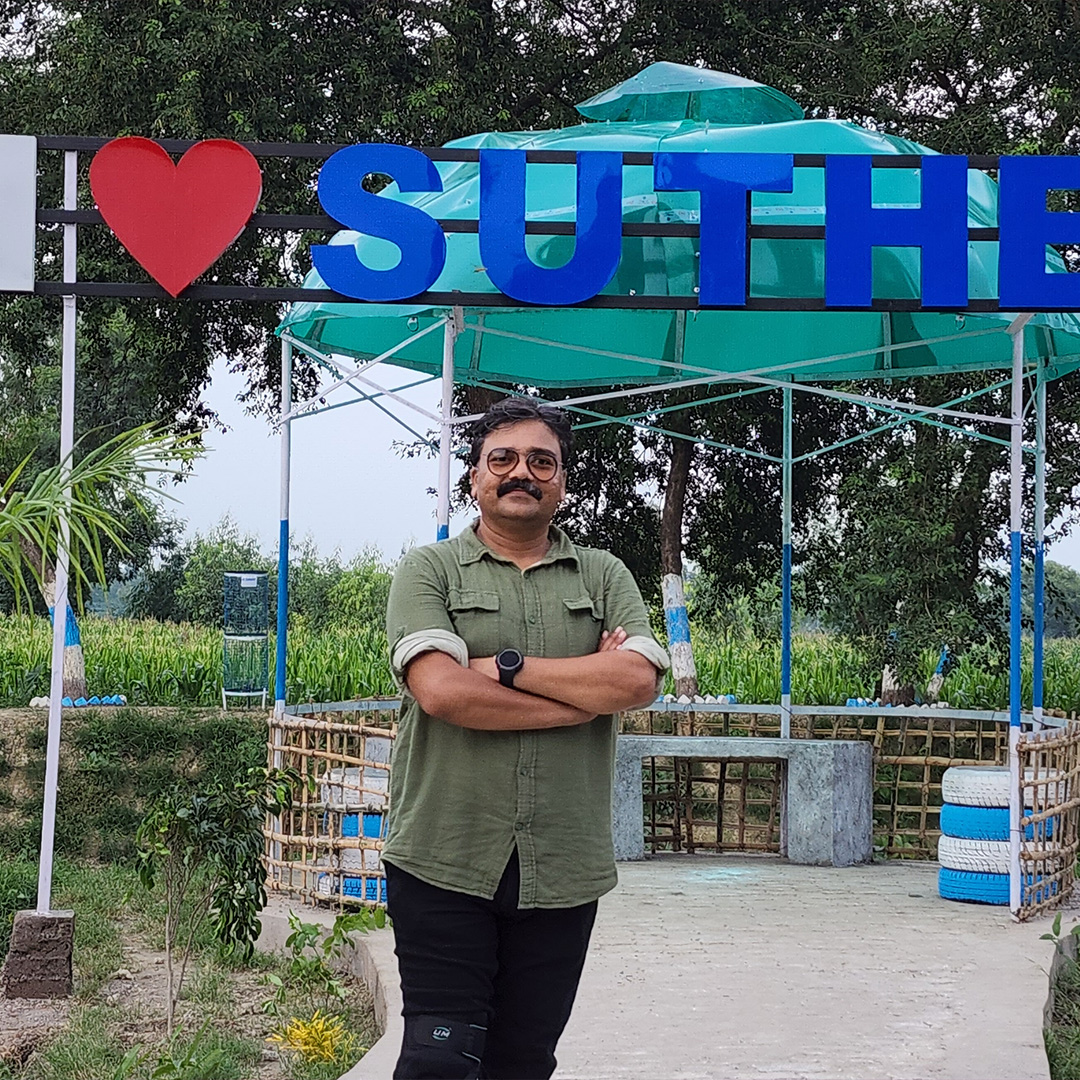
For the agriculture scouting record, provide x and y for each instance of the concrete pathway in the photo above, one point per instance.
(742, 967)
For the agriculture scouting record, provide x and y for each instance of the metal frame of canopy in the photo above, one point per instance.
(69, 288)
(948, 415)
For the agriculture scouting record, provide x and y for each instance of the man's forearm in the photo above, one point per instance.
(601, 682)
(471, 700)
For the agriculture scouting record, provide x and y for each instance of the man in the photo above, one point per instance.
(514, 647)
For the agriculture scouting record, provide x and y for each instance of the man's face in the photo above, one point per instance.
(517, 496)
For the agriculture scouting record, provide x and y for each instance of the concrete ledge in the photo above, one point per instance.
(371, 959)
(827, 792)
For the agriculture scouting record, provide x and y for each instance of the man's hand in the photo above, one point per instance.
(610, 641)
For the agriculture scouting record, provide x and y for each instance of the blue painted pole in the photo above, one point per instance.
(1016, 488)
(785, 616)
(283, 534)
(1040, 547)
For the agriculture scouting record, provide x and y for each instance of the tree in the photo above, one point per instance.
(960, 75)
(207, 846)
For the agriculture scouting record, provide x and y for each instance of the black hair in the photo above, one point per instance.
(514, 411)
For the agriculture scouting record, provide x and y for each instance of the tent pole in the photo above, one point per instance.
(446, 430)
(1016, 481)
(785, 645)
(60, 589)
(1040, 545)
(283, 533)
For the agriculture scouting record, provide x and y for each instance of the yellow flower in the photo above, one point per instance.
(320, 1038)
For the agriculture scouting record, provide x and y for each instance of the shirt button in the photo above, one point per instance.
(532, 616)
(524, 772)
(519, 825)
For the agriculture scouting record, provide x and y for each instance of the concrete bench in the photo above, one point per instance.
(827, 792)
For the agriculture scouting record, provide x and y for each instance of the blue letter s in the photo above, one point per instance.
(421, 241)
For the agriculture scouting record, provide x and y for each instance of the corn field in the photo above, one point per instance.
(155, 663)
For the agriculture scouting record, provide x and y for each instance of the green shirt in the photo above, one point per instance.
(462, 799)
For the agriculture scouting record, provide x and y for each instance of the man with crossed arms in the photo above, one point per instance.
(514, 647)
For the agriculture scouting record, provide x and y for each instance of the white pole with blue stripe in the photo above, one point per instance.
(1040, 546)
(60, 587)
(446, 430)
(283, 534)
(785, 627)
(1016, 488)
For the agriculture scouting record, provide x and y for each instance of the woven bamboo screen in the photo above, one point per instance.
(730, 805)
(327, 848)
(1050, 768)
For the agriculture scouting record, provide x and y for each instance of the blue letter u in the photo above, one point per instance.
(598, 241)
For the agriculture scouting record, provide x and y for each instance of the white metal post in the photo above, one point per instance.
(785, 617)
(283, 531)
(1040, 548)
(451, 329)
(1016, 489)
(60, 593)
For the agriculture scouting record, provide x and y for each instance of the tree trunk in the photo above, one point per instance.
(671, 528)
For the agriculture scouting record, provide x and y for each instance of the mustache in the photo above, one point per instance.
(519, 484)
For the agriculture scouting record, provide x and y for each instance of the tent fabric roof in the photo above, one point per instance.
(590, 346)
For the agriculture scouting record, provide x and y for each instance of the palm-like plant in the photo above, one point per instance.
(88, 491)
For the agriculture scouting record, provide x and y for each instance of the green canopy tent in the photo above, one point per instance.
(646, 329)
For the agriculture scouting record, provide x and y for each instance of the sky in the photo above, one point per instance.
(350, 489)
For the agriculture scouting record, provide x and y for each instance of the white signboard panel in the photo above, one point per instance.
(18, 211)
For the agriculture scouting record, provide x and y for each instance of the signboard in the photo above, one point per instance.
(853, 225)
(177, 217)
(18, 212)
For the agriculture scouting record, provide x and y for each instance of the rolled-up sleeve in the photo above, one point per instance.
(417, 620)
(623, 606)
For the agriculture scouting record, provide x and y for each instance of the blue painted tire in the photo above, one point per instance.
(982, 823)
(981, 888)
(974, 888)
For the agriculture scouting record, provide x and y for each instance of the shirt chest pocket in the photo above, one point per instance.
(584, 620)
(476, 616)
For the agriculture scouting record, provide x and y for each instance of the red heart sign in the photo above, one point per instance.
(175, 220)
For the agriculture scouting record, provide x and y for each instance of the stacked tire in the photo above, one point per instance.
(974, 847)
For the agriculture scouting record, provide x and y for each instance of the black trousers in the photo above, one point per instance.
(487, 987)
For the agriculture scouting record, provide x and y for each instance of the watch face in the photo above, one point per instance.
(509, 660)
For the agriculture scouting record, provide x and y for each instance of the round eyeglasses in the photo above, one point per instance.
(542, 465)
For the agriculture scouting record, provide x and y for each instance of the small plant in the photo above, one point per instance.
(207, 846)
(321, 1039)
(1055, 932)
(188, 1064)
(311, 949)
(130, 1062)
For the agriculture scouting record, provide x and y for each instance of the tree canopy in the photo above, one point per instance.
(904, 524)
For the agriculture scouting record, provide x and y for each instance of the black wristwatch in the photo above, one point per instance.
(509, 662)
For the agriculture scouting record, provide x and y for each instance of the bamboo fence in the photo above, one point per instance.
(327, 847)
(1050, 771)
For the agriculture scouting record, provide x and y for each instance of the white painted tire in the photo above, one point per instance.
(988, 785)
(975, 856)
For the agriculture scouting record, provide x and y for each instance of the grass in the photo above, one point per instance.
(223, 1034)
(119, 761)
(168, 664)
(1062, 1037)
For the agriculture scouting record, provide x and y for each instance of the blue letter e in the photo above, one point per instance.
(417, 235)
